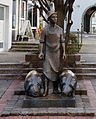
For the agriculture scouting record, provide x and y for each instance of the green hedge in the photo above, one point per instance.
(73, 44)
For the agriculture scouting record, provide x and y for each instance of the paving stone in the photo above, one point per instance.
(62, 111)
(4, 84)
(15, 113)
(6, 113)
(8, 108)
(53, 111)
(43, 111)
(89, 111)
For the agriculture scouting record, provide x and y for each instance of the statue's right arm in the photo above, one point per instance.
(41, 47)
(42, 37)
(41, 55)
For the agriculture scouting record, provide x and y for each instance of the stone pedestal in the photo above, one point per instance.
(51, 100)
(37, 63)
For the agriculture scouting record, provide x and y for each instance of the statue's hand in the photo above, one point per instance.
(41, 55)
(64, 56)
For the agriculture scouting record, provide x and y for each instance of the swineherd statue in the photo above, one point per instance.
(51, 42)
(68, 83)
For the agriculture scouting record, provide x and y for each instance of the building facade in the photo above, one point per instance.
(84, 15)
(5, 24)
(36, 20)
(19, 15)
(14, 12)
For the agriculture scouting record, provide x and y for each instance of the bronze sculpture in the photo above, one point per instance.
(33, 84)
(68, 83)
(51, 38)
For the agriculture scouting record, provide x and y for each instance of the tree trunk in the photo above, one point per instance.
(70, 22)
(59, 8)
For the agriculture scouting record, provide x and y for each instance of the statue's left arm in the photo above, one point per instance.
(63, 44)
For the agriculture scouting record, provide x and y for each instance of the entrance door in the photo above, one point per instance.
(1, 27)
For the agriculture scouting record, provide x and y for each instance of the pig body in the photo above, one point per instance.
(33, 84)
(68, 83)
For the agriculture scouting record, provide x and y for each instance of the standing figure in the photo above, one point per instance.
(51, 38)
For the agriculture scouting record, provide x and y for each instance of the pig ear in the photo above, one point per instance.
(62, 74)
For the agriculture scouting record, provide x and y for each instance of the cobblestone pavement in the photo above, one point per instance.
(4, 84)
(11, 106)
(88, 50)
(46, 117)
(8, 94)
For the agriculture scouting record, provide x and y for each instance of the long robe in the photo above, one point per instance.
(51, 37)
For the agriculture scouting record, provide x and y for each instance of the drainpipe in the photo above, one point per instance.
(81, 31)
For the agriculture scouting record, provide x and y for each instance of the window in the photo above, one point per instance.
(1, 45)
(22, 9)
(1, 13)
(14, 14)
(23, 12)
(32, 15)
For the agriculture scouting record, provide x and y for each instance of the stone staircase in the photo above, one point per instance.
(83, 70)
(13, 70)
(25, 47)
(86, 70)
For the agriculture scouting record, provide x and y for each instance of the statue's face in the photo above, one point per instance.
(53, 19)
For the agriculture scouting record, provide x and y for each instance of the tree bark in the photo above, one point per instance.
(59, 8)
(70, 22)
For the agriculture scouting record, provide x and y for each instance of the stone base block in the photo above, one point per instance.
(51, 100)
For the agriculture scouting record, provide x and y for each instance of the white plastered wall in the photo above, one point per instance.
(7, 23)
(80, 6)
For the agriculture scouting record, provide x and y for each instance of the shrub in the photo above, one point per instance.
(73, 44)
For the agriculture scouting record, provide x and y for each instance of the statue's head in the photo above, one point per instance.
(52, 17)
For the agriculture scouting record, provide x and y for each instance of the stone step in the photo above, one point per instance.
(25, 46)
(25, 43)
(13, 76)
(9, 76)
(14, 70)
(75, 70)
(81, 76)
(24, 50)
(14, 65)
(84, 70)
(11, 72)
(40, 70)
(86, 64)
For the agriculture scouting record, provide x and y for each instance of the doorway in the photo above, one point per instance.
(1, 28)
(88, 19)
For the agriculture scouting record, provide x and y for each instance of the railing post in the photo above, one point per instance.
(78, 37)
(81, 32)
